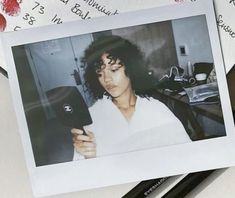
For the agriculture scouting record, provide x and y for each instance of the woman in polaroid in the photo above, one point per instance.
(124, 117)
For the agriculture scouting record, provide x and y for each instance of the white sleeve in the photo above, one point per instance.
(172, 126)
(77, 156)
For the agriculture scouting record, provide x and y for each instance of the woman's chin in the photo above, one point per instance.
(114, 95)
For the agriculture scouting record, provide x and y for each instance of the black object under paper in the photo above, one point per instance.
(69, 106)
(3, 71)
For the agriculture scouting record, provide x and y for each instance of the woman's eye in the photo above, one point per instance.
(99, 75)
(114, 70)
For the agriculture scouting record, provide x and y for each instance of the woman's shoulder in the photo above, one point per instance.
(155, 106)
(99, 105)
(151, 102)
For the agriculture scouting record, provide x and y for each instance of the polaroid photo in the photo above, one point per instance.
(99, 102)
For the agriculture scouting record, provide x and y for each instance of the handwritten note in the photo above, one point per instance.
(226, 24)
(21, 14)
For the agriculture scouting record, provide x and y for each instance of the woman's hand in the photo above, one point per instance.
(84, 144)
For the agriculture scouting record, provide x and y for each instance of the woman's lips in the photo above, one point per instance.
(110, 87)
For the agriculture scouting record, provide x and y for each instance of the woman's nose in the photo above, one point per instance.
(107, 76)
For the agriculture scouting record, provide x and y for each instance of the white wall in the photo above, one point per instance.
(192, 32)
(156, 41)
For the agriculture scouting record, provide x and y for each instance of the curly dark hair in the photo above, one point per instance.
(122, 49)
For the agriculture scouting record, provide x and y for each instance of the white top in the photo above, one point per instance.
(152, 125)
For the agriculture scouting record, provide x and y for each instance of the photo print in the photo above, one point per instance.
(122, 95)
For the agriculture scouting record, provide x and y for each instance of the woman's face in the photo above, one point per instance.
(112, 77)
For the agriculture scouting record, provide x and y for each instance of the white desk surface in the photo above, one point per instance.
(220, 184)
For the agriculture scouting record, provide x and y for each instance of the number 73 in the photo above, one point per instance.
(40, 7)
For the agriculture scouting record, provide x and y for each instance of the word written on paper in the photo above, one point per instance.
(225, 26)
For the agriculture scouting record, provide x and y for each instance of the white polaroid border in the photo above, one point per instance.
(133, 166)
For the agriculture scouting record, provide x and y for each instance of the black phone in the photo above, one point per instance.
(69, 106)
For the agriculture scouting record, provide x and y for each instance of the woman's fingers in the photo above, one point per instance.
(84, 147)
(90, 155)
(90, 134)
(83, 150)
(83, 138)
(78, 135)
(77, 131)
(84, 144)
